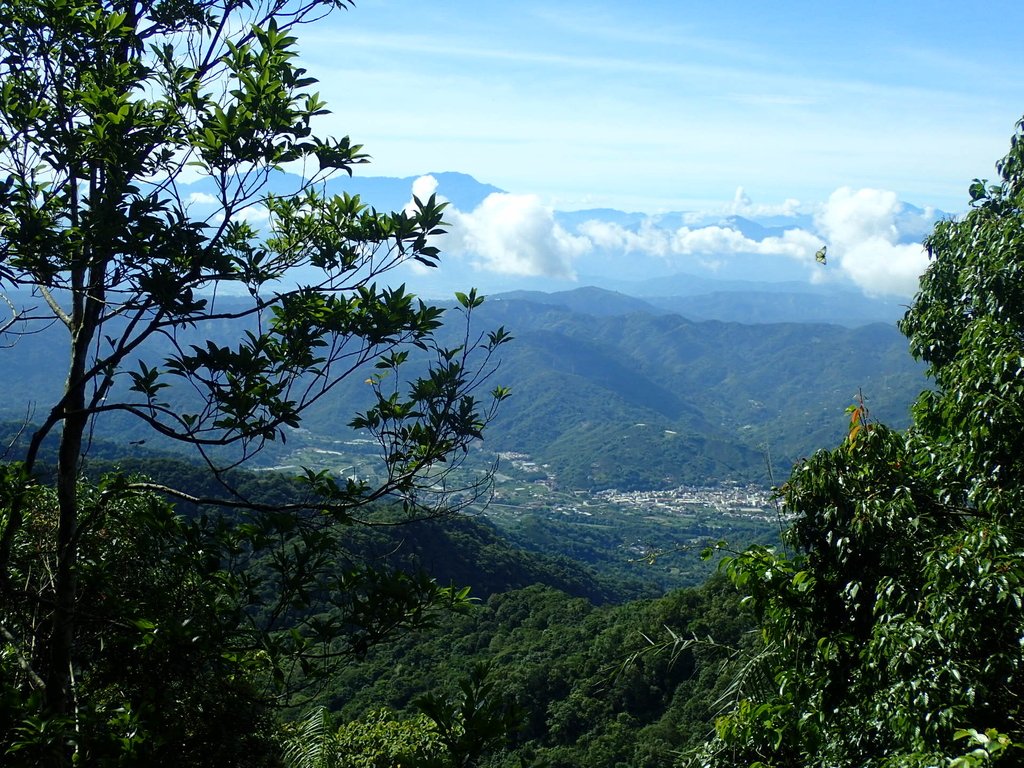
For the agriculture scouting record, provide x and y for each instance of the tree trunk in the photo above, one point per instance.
(59, 695)
(58, 682)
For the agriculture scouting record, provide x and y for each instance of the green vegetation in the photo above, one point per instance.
(163, 649)
(889, 623)
(590, 687)
(891, 634)
(160, 612)
(642, 401)
(635, 401)
(106, 107)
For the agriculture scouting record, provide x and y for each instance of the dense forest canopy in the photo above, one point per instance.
(892, 628)
(886, 630)
(106, 107)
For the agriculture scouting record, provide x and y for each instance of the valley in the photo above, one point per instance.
(633, 437)
(611, 463)
(648, 536)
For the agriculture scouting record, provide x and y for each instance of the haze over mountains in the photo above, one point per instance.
(499, 241)
(613, 392)
(625, 372)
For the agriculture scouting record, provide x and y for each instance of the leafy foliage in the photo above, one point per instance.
(311, 743)
(106, 107)
(591, 687)
(381, 739)
(892, 635)
(449, 733)
(165, 660)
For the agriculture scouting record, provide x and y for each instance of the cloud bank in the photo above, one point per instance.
(866, 231)
(862, 229)
(517, 235)
(510, 234)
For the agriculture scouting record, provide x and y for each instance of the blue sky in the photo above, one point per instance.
(656, 106)
(850, 126)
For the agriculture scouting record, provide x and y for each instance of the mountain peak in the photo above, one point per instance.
(589, 300)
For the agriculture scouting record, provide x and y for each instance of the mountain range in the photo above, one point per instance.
(619, 396)
(613, 391)
(636, 379)
(500, 241)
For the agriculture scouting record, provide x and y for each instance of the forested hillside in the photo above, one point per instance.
(890, 628)
(131, 634)
(592, 686)
(607, 394)
(298, 584)
(642, 400)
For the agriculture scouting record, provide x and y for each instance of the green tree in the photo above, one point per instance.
(106, 108)
(161, 670)
(453, 732)
(892, 634)
(473, 722)
(381, 740)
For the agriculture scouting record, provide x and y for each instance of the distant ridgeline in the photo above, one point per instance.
(625, 395)
(610, 391)
(459, 550)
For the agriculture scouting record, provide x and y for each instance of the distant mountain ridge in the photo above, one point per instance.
(531, 247)
(627, 378)
(627, 398)
(699, 298)
(588, 300)
(611, 392)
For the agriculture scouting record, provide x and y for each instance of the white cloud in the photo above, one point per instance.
(515, 235)
(864, 239)
(852, 216)
(741, 199)
(257, 215)
(648, 238)
(742, 205)
(866, 231)
(714, 241)
(254, 214)
(507, 233)
(711, 240)
(883, 268)
(202, 198)
(795, 243)
(424, 187)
